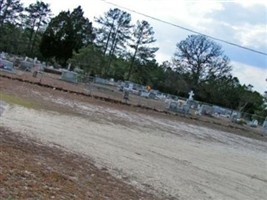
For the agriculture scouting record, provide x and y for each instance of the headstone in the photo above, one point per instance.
(35, 60)
(26, 65)
(69, 66)
(254, 123)
(173, 106)
(100, 80)
(34, 74)
(235, 116)
(178, 106)
(152, 95)
(6, 66)
(206, 110)
(191, 94)
(69, 76)
(3, 55)
(144, 93)
(264, 127)
(191, 106)
(126, 95)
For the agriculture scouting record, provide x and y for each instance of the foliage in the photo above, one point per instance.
(143, 36)
(165, 78)
(201, 58)
(10, 11)
(249, 101)
(10, 34)
(211, 91)
(89, 59)
(113, 33)
(20, 31)
(37, 15)
(11, 39)
(66, 33)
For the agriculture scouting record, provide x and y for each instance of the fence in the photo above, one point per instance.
(110, 90)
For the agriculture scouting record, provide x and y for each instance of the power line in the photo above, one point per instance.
(187, 29)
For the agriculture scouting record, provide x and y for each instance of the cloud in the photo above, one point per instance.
(238, 14)
(248, 74)
(245, 25)
(241, 23)
(253, 35)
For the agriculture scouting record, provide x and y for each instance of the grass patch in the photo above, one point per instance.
(12, 99)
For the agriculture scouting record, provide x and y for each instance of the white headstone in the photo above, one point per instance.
(35, 60)
(264, 127)
(255, 122)
(191, 94)
(69, 76)
(3, 55)
(69, 66)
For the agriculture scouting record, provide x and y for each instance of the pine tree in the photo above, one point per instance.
(37, 16)
(143, 36)
(10, 11)
(114, 32)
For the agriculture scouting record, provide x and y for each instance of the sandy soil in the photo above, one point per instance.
(32, 170)
(156, 154)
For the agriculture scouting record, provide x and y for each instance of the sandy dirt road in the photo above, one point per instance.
(155, 154)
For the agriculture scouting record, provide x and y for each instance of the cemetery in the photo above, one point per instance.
(139, 95)
(159, 122)
(119, 102)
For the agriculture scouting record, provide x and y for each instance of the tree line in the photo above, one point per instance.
(124, 50)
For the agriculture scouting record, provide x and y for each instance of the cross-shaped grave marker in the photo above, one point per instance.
(191, 94)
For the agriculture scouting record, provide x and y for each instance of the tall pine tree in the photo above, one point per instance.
(37, 15)
(113, 34)
(143, 37)
(10, 11)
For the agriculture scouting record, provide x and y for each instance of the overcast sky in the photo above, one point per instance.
(243, 22)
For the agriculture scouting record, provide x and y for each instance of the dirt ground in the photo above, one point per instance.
(165, 155)
(30, 170)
